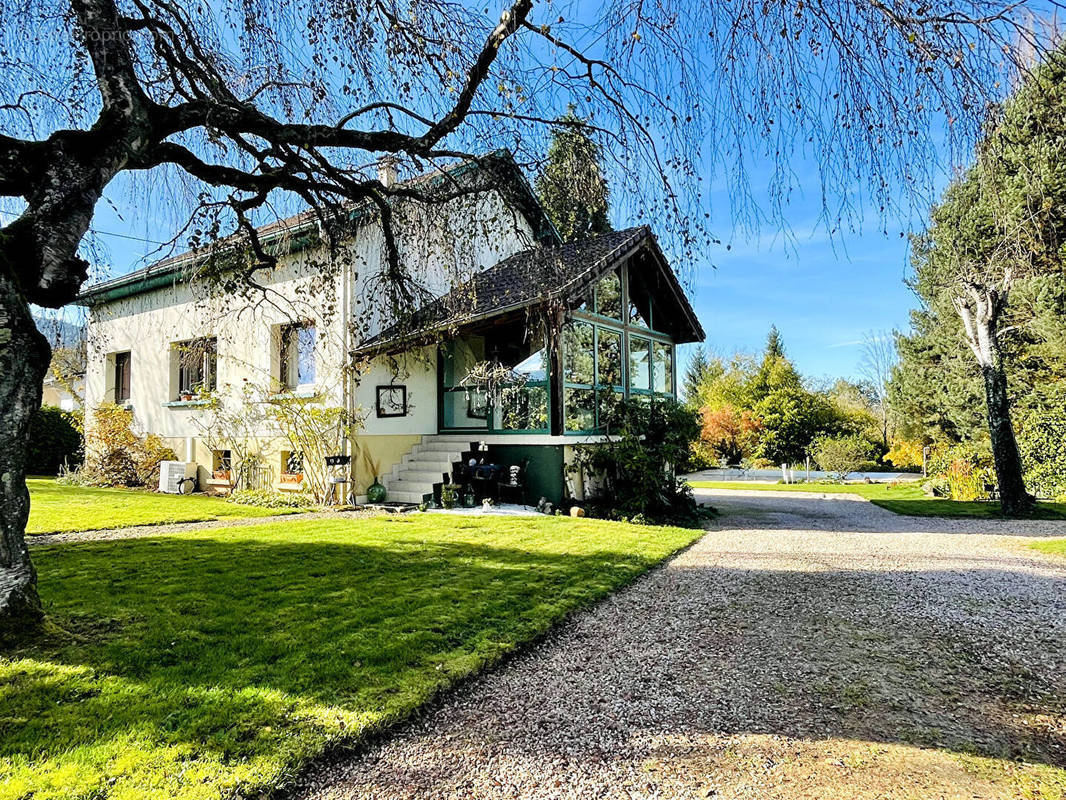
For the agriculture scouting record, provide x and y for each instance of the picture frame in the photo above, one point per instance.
(392, 401)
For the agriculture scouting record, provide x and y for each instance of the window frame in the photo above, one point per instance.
(626, 329)
(122, 374)
(207, 370)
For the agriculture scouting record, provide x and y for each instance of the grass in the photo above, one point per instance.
(1055, 547)
(905, 498)
(215, 662)
(55, 508)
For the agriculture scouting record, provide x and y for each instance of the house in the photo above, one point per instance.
(517, 354)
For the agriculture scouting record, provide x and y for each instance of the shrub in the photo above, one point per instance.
(267, 499)
(54, 441)
(1042, 443)
(967, 468)
(115, 455)
(636, 465)
(905, 454)
(841, 455)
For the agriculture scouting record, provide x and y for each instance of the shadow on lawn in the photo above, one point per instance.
(226, 646)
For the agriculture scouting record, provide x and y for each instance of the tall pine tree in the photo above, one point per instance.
(572, 187)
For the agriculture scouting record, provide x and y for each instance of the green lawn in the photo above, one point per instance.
(906, 498)
(1056, 547)
(212, 662)
(56, 508)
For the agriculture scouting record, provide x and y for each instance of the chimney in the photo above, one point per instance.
(387, 172)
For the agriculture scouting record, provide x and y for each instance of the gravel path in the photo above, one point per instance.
(806, 647)
(140, 531)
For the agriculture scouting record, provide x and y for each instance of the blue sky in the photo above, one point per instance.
(823, 291)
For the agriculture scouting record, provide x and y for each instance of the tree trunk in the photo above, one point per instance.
(980, 317)
(1010, 476)
(24, 356)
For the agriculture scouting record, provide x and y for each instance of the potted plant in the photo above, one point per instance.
(449, 493)
(221, 474)
(468, 497)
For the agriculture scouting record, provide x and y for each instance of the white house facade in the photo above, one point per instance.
(572, 328)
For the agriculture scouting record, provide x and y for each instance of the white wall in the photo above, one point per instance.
(439, 249)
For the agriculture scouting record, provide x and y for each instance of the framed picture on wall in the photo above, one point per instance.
(392, 401)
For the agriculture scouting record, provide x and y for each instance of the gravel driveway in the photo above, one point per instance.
(807, 647)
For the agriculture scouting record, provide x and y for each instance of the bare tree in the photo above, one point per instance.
(879, 356)
(228, 111)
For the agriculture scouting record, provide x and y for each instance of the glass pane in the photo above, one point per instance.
(577, 353)
(523, 408)
(305, 359)
(664, 368)
(609, 365)
(636, 316)
(639, 301)
(460, 357)
(463, 409)
(533, 367)
(609, 296)
(580, 409)
(610, 402)
(638, 364)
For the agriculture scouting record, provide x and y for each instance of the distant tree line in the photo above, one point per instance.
(760, 410)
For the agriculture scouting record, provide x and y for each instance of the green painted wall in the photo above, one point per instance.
(544, 474)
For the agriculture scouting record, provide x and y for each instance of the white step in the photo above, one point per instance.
(438, 446)
(430, 458)
(422, 487)
(405, 497)
(429, 477)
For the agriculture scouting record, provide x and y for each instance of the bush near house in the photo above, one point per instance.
(636, 465)
(54, 441)
(116, 455)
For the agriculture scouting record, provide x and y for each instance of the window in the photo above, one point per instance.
(579, 392)
(639, 302)
(297, 362)
(292, 466)
(609, 296)
(197, 361)
(122, 376)
(221, 464)
(612, 353)
(663, 368)
(639, 364)
(523, 403)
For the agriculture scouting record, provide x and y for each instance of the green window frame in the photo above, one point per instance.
(592, 388)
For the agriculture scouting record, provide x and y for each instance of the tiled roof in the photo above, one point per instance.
(528, 278)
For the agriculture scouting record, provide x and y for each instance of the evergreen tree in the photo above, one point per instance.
(989, 273)
(775, 373)
(572, 187)
(697, 373)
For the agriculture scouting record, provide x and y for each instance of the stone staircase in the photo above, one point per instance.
(430, 462)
